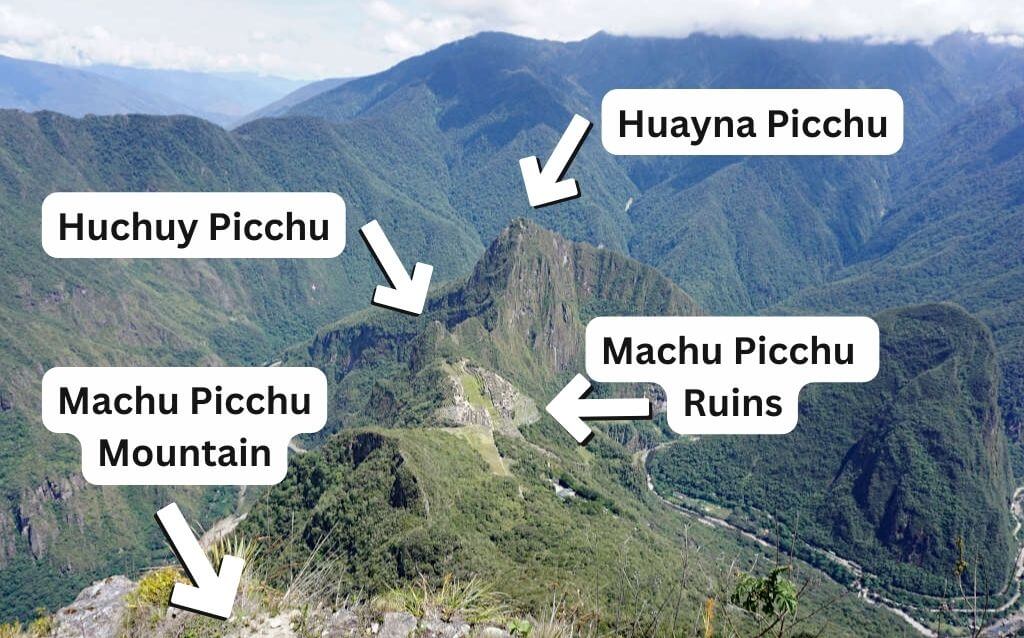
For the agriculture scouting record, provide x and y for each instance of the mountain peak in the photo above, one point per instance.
(522, 312)
(527, 258)
(534, 291)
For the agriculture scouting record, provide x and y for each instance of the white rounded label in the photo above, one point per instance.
(207, 225)
(184, 426)
(732, 375)
(752, 121)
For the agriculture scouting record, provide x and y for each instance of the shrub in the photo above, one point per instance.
(154, 588)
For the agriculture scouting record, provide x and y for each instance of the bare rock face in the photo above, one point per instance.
(288, 624)
(459, 410)
(279, 626)
(97, 612)
(36, 519)
(436, 628)
(514, 408)
(398, 624)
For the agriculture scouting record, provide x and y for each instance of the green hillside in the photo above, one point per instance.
(888, 473)
(443, 463)
(954, 234)
(738, 233)
(56, 532)
(430, 148)
(741, 235)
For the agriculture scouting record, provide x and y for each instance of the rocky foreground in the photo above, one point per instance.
(106, 609)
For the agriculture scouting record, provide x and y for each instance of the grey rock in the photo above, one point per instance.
(279, 626)
(97, 612)
(398, 624)
(435, 628)
(493, 632)
(342, 623)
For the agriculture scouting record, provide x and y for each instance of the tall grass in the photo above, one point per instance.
(472, 600)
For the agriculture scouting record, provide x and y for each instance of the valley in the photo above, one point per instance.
(436, 459)
(997, 623)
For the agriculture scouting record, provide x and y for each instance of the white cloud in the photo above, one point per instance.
(880, 19)
(344, 37)
(25, 36)
(18, 27)
(384, 11)
(420, 34)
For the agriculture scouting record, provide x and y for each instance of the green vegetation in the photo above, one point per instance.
(391, 502)
(770, 598)
(430, 148)
(470, 600)
(888, 473)
(954, 234)
(58, 533)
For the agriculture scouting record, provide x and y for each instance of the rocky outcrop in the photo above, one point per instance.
(35, 517)
(349, 624)
(515, 408)
(398, 625)
(459, 410)
(534, 291)
(97, 612)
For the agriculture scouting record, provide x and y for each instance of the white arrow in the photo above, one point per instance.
(213, 594)
(546, 186)
(571, 406)
(407, 294)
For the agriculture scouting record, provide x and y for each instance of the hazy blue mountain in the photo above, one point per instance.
(38, 86)
(280, 107)
(219, 97)
(108, 90)
(976, 65)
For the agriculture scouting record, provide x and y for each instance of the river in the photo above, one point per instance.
(997, 627)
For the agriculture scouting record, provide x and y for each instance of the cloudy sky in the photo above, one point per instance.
(321, 38)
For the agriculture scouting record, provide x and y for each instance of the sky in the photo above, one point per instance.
(311, 39)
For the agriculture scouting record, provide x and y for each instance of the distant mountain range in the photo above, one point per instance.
(280, 107)
(927, 454)
(223, 98)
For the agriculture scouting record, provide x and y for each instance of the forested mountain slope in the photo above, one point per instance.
(954, 233)
(441, 462)
(742, 234)
(431, 148)
(56, 531)
(888, 473)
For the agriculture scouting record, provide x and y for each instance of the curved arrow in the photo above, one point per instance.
(213, 593)
(571, 406)
(546, 186)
